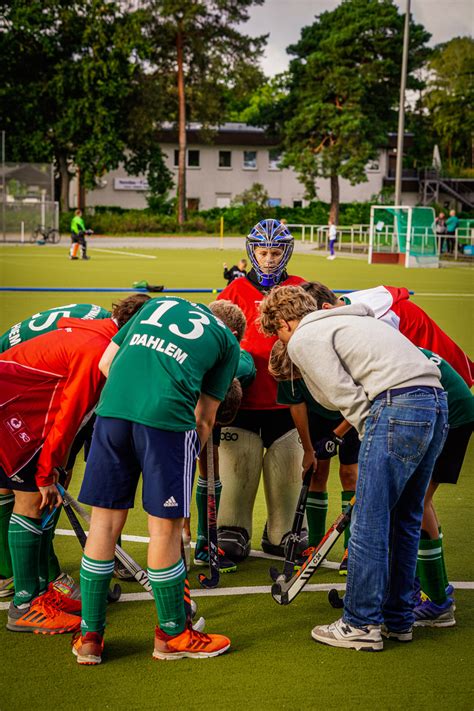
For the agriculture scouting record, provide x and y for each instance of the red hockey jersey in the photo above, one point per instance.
(393, 304)
(261, 394)
(48, 385)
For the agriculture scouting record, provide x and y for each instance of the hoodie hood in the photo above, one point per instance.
(104, 326)
(350, 310)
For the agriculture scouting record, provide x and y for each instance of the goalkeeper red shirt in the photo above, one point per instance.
(262, 393)
(48, 385)
(392, 304)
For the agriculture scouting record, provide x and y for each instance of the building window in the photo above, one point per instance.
(274, 157)
(373, 166)
(250, 160)
(274, 202)
(225, 159)
(176, 157)
(297, 203)
(194, 157)
(192, 204)
(223, 199)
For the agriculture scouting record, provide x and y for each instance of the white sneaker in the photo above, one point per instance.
(403, 636)
(331, 257)
(342, 634)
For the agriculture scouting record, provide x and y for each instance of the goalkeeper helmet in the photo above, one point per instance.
(270, 234)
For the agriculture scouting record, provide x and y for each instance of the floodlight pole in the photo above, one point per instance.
(401, 109)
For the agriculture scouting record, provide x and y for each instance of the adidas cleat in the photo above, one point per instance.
(88, 648)
(65, 584)
(62, 602)
(41, 617)
(201, 557)
(429, 614)
(190, 643)
(343, 565)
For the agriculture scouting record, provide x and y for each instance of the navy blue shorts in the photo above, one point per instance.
(23, 480)
(121, 449)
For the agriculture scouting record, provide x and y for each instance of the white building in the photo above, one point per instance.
(239, 156)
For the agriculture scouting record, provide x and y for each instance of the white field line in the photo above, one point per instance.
(145, 539)
(126, 254)
(249, 590)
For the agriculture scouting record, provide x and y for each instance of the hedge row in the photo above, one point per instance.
(237, 220)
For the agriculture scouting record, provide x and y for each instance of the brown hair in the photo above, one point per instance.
(280, 365)
(124, 309)
(227, 410)
(230, 314)
(284, 303)
(321, 293)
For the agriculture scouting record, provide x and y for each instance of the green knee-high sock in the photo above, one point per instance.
(7, 502)
(201, 503)
(95, 580)
(445, 572)
(316, 511)
(430, 568)
(24, 538)
(346, 496)
(168, 590)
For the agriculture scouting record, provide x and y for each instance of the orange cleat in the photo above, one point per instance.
(63, 602)
(190, 643)
(41, 617)
(88, 648)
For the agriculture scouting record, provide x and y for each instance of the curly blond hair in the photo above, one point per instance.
(284, 303)
(280, 365)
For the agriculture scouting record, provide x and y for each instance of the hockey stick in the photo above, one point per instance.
(283, 591)
(130, 564)
(213, 580)
(113, 595)
(134, 568)
(294, 537)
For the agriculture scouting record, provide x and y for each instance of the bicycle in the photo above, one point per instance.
(43, 234)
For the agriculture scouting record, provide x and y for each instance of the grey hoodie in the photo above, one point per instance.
(347, 358)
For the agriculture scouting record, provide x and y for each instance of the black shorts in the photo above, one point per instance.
(449, 463)
(270, 425)
(24, 480)
(322, 426)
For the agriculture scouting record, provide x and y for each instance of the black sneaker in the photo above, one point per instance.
(201, 557)
(280, 549)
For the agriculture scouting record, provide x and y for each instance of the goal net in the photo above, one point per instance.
(403, 235)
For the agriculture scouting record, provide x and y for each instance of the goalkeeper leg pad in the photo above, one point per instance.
(240, 465)
(282, 484)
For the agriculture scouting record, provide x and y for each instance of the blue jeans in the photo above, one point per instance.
(404, 435)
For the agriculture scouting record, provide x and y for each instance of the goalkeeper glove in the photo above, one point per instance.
(326, 447)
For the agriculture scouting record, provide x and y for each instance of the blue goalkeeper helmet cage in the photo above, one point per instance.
(268, 234)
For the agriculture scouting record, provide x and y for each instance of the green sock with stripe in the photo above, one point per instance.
(24, 539)
(7, 502)
(346, 496)
(168, 590)
(316, 512)
(95, 580)
(430, 568)
(201, 503)
(445, 572)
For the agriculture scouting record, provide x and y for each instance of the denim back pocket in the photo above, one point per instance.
(408, 440)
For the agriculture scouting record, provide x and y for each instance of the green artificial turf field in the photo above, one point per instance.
(273, 662)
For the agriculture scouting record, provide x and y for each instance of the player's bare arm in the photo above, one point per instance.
(107, 358)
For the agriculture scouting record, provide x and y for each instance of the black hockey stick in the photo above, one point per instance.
(113, 595)
(213, 580)
(334, 599)
(127, 561)
(294, 537)
(284, 591)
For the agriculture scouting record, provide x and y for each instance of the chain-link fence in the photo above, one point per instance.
(26, 200)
